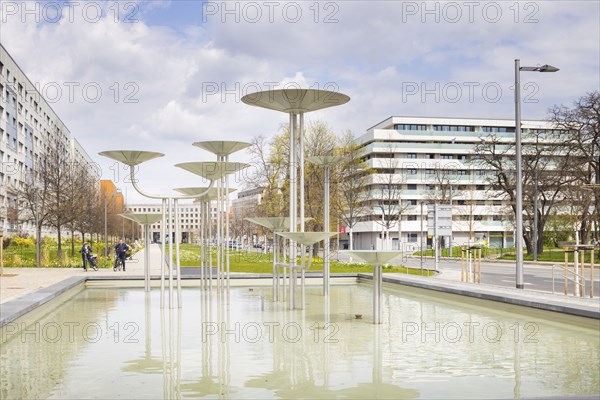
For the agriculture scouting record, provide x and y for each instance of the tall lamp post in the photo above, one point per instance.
(518, 161)
(112, 196)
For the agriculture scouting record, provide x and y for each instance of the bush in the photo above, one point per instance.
(45, 257)
(23, 242)
(16, 261)
(6, 242)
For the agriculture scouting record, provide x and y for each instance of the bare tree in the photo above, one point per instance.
(543, 176)
(578, 129)
(387, 206)
(351, 180)
(35, 194)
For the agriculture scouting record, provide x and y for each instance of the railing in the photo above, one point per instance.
(578, 281)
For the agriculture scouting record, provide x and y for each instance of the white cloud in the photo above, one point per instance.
(165, 85)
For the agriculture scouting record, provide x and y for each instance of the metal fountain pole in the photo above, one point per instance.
(177, 258)
(302, 247)
(227, 225)
(170, 263)
(326, 229)
(163, 254)
(293, 210)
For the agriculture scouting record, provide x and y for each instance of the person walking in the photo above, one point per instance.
(86, 256)
(121, 253)
(85, 251)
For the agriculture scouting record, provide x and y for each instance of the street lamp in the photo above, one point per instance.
(519, 182)
(112, 196)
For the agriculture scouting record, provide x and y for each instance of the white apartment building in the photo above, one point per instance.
(428, 160)
(27, 125)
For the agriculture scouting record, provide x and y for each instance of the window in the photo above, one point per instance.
(411, 218)
(412, 202)
(410, 127)
(411, 155)
(480, 187)
(498, 129)
(446, 156)
(411, 186)
(412, 238)
(453, 128)
(411, 171)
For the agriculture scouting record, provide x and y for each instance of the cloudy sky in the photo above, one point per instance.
(159, 75)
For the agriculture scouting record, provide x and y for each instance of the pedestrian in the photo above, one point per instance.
(85, 251)
(86, 256)
(120, 253)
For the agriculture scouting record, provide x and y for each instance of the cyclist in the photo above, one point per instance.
(120, 254)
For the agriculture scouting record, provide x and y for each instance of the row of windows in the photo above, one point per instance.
(455, 128)
(159, 209)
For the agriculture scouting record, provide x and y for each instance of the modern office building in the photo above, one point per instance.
(420, 161)
(28, 126)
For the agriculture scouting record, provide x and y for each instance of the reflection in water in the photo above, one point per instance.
(247, 346)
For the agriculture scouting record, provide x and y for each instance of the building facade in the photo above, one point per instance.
(420, 161)
(28, 127)
(245, 206)
(189, 220)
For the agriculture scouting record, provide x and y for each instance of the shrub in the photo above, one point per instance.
(23, 242)
(16, 261)
(45, 257)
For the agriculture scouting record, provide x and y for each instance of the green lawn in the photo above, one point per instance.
(254, 262)
(24, 256)
(240, 261)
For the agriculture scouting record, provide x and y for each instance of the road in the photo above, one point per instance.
(501, 273)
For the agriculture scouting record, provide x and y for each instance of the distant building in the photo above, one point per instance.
(427, 160)
(189, 220)
(28, 125)
(243, 207)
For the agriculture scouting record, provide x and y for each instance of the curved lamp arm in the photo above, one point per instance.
(151, 196)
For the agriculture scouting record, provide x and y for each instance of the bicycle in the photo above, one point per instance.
(118, 265)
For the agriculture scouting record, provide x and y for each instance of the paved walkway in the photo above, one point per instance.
(17, 282)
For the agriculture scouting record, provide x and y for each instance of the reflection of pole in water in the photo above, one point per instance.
(172, 360)
(377, 359)
(517, 370)
(148, 322)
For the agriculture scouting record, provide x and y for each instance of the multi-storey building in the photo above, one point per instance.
(28, 126)
(243, 207)
(420, 161)
(189, 220)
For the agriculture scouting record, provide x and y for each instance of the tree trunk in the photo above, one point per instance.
(528, 244)
(72, 243)
(38, 245)
(59, 241)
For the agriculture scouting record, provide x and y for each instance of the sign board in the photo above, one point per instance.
(342, 229)
(439, 219)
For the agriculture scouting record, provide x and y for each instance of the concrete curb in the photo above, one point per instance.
(13, 309)
(538, 300)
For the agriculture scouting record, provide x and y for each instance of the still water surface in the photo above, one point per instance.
(118, 343)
